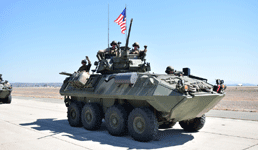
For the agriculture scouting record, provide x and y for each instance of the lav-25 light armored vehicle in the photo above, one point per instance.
(130, 99)
(5, 91)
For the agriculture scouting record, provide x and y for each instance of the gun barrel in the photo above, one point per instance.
(127, 40)
(65, 73)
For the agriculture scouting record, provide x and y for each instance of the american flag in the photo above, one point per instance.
(121, 21)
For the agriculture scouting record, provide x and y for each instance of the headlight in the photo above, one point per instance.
(186, 87)
(181, 87)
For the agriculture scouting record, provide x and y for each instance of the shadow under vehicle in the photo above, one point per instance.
(5, 91)
(134, 101)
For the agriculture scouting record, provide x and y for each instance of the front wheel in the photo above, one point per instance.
(9, 99)
(194, 124)
(142, 124)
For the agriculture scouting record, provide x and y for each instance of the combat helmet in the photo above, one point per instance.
(136, 44)
(168, 69)
(113, 42)
(83, 61)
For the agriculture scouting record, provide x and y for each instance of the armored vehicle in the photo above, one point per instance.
(131, 100)
(5, 91)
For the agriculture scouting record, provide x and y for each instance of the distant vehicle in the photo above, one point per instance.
(5, 91)
(240, 84)
(132, 100)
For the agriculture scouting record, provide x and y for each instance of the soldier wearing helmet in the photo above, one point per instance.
(170, 70)
(135, 50)
(85, 67)
(112, 50)
(142, 54)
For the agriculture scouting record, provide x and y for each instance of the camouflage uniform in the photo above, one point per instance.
(142, 54)
(112, 51)
(135, 51)
(85, 67)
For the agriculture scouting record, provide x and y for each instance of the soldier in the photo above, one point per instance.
(85, 67)
(1, 78)
(142, 54)
(170, 70)
(112, 50)
(136, 48)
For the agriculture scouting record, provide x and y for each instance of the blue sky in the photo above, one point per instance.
(215, 39)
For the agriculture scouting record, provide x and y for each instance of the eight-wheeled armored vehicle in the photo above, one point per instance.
(132, 100)
(5, 91)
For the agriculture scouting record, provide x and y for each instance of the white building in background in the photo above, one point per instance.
(240, 85)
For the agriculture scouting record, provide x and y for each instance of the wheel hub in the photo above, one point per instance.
(114, 120)
(139, 125)
(73, 114)
(88, 116)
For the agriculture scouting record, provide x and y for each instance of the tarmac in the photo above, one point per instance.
(39, 123)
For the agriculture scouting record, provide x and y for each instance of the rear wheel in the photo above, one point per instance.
(91, 116)
(74, 115)
(194, 124)
(142, 124)
(116, 120)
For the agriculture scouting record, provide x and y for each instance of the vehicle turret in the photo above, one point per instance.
(123, 62)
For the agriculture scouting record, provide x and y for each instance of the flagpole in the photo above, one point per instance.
(125, 22)
(108, 25)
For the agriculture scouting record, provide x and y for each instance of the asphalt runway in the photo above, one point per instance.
(35, 123)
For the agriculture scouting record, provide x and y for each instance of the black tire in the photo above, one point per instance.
(9, 99)
(167, 125)
(74, 115)
(92, 116)
(116, 120)
(193, 125)
(142, 124)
